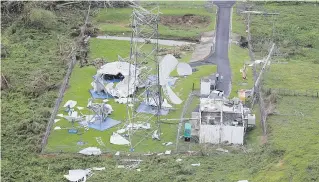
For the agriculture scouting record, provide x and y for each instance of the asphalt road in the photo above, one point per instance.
(220, 55)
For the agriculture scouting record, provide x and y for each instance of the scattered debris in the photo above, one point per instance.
(138, 170)
(123, 100)
(179, 160)
(70, 104)
(168, 152)
(120, 131)
(80, 108)
(98, 168)
(105, 100)
(91, 151)
(56, 120)
(155, 135)
(117, 153)
(222, 150)
(196, 164)
(138, 126)
(99, 141)
(167, 143)
(57, 128)
(79, 175)
(243, 181)
(148, 154)
(120, 166)
(60, 115)
(160, 153)
(118, 140)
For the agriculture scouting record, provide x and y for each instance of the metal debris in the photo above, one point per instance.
(222, 150)
(179, 160)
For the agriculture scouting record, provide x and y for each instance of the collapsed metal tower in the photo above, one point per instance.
(144, 24)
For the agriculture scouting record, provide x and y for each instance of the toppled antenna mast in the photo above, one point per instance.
(144, 24)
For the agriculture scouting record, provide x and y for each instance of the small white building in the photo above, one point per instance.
(221, 121)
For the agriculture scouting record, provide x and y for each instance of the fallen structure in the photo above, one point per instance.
(114, 79)
(220, 120)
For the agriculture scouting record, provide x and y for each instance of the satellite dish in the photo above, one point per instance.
(184, 69)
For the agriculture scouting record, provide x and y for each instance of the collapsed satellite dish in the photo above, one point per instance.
(184, 69)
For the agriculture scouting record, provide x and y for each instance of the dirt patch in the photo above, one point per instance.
(188, 20)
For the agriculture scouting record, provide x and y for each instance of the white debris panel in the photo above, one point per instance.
(78, 175)
(91, 151)
(70, 103)
(166, 66)
(118, 140)
(184, 69)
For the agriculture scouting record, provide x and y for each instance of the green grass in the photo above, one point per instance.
(238, 25)
(295, 138)
(302, 76)
(116, 22)
(237, 57)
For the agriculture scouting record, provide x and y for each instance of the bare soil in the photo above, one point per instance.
(187, 20)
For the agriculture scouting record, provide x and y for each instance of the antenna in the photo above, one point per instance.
(144, 24)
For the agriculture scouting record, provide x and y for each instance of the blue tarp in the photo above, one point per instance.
(144, 108)
(101, 126)
(100, 95)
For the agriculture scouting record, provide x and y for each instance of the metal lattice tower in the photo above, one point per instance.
(144, 24)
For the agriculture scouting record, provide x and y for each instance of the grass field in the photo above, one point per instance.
(117, 22)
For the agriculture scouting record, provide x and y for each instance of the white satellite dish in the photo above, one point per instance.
(166, 66)
(184, 69)
(169, 93)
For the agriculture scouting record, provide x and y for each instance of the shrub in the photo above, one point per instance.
(41, 18)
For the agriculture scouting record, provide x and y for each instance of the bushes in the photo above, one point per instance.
(41, 18)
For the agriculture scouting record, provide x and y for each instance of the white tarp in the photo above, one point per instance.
(70, 103)
(115, 68)
(91, 151)
(166, 66)
(184, 69)
(171, 95)
(118, 140)
(121, 88)
(77, 174)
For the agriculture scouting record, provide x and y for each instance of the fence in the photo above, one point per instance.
(58, 102)
(289, 92)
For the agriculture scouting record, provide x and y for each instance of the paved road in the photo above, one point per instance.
(220, 55)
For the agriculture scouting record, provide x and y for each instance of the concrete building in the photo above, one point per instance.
(220, 120)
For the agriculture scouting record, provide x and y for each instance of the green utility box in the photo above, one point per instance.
(187, 132)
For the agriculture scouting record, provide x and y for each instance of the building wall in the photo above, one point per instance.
(216, 134)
